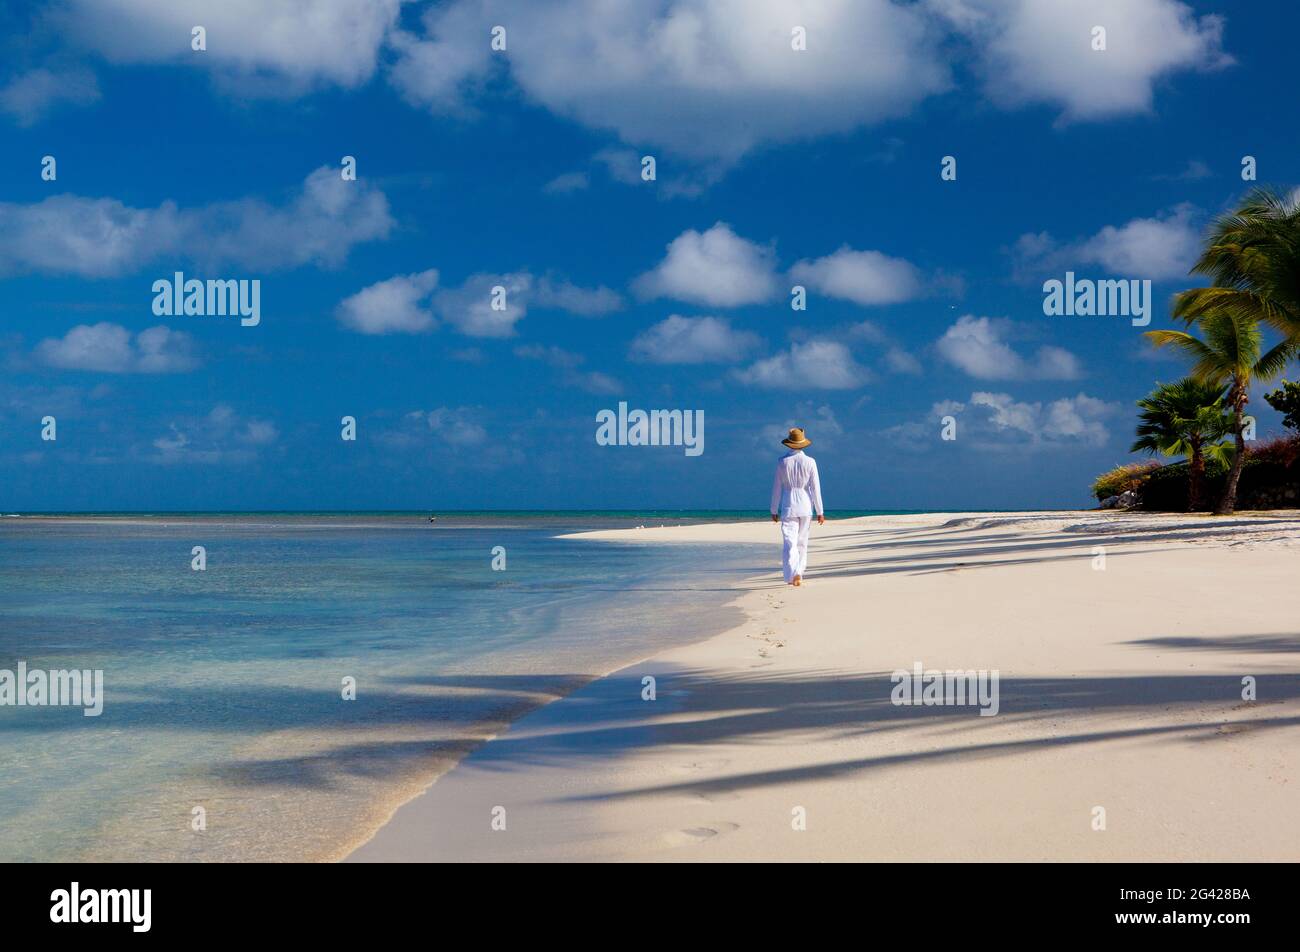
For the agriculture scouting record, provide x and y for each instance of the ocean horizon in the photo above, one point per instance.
(693, 515)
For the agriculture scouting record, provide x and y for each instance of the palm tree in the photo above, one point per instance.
(1253, 258)
(1186, 418)
(1229, 354)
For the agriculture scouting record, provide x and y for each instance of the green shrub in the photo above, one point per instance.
(1270, 470)
(1123, 478)
(1286, 400)
(1283, 450)
(1166, 490)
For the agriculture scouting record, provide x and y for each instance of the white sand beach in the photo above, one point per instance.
(1120, 689)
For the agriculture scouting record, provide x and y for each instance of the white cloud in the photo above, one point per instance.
(392, 306)
(710, 80)
(863, 277)
(1160, 248)
(705, 79)
(319, 226)
(1193, 171)
(562, 295)
(977, 345)
(269, 48)
(1055, 363)
(1155, 248)
(220, 437)
(693, 340)
(895, 359)
(101, 237)
(998, 422)
(717, 268)
(161, 350)
(593, 381)
(817, 420)
(808, 365)
(1072, 419)
(567, 182)
(89, 237)
(260, 432)
(555, 356)
(622, 165)
(1040, 51)
(469, 308)
(428, 435)
(402, 304)
(454, 427)
(901, 362)
(30, 95)
(1034, 252)
(826, 422)
(104, 347)
(869, 331)
(1078, 418)
(109, 348)
(440, 68)
(675, 180)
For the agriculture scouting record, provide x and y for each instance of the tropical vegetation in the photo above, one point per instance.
(1252, 257)
(1286, 401)
(1188, 419)
(1129, 477)
(1229, 352)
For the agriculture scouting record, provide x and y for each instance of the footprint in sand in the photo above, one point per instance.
(697, 765)
(698, 834)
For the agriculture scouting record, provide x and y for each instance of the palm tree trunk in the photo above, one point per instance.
(1229, 501)
(1195, 477)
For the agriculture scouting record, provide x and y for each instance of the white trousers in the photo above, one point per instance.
(794, 545)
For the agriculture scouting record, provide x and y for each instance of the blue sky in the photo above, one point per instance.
(521, 168)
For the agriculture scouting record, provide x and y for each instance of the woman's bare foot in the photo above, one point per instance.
(797, 581)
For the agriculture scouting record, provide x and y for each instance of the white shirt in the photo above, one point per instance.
(796, 491)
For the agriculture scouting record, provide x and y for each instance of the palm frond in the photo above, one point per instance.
(1221, 453)
(1274, 363)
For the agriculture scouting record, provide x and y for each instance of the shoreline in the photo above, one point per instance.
(238, 707)
(403, 799)
(350, 815)
(786, 709)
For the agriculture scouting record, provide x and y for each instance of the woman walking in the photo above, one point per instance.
(796, 497)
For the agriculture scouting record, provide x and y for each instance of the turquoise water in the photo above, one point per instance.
(576, 518)
(223, 688)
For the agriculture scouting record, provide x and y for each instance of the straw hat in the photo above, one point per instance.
(796, 440)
